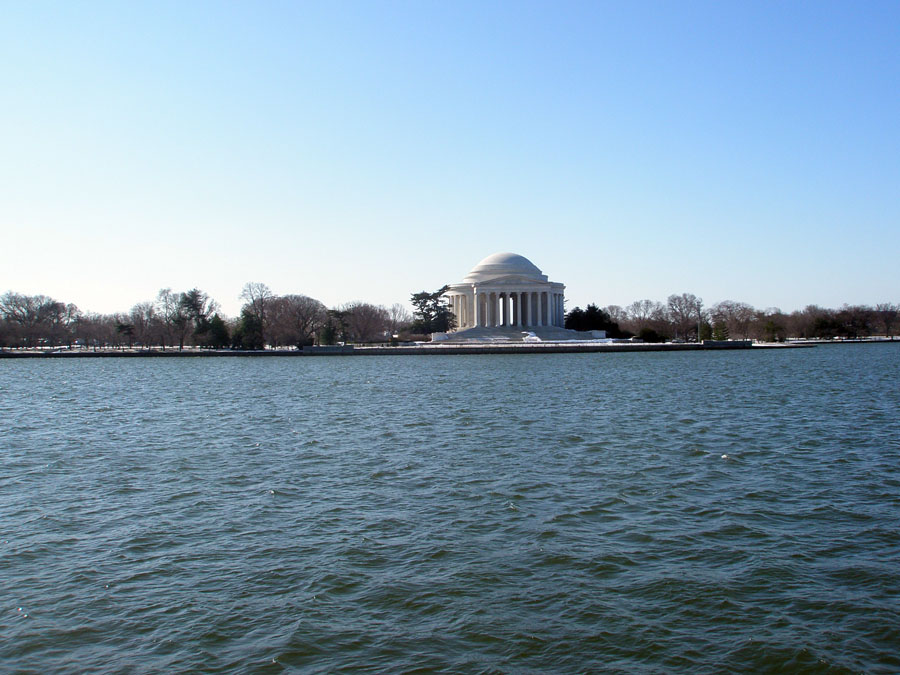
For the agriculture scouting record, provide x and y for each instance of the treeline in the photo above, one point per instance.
(684, 317)
(297, 320)
(192, 318)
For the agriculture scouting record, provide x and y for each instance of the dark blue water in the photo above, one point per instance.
(664, 512)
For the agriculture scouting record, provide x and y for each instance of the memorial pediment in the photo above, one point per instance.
(510, 280)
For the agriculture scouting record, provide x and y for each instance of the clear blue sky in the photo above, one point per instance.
(365, 151)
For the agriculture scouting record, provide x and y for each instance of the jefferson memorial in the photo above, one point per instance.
(506, 290)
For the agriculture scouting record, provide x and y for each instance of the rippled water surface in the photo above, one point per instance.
(660, 512)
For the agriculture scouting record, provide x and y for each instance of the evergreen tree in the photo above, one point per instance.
(217, 334)
(328, 334)
(593, 318)
(650, 335)
(575, 319)
(432, 312)
(127, 330)
(720, 331)
(249, 333)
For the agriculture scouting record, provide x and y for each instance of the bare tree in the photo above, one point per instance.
(258, 299)
(772, 325)
(685, 313)
(72, 314)
(887, 314)
(8, 333)
(172, 317)
(365, 322)
(145, 322)
(40, 319)
(97, 330)
(855, 321)
(803, 323)
(616, 313)
(399, 318)
(295, 319)
(735, 316)
(641, 312)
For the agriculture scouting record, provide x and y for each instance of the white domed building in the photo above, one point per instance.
(507, 290)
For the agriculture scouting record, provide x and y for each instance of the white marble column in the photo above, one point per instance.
(546, 316)
(479, 312)
(483, 307)
(543, 318)
(492, 309)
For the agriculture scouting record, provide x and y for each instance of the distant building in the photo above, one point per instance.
(506, 289)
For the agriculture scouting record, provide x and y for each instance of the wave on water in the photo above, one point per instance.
(559, 513)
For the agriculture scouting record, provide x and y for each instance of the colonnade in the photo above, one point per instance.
(496, 308)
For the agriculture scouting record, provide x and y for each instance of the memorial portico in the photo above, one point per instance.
(506, 290)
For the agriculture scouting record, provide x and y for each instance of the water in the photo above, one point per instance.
(661, 512)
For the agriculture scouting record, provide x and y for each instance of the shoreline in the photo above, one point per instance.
(434, 349)
(402, 350)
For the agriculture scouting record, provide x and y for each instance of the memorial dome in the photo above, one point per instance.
(502, 265)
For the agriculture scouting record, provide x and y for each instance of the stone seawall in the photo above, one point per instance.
(423, 350)
(552, 348)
